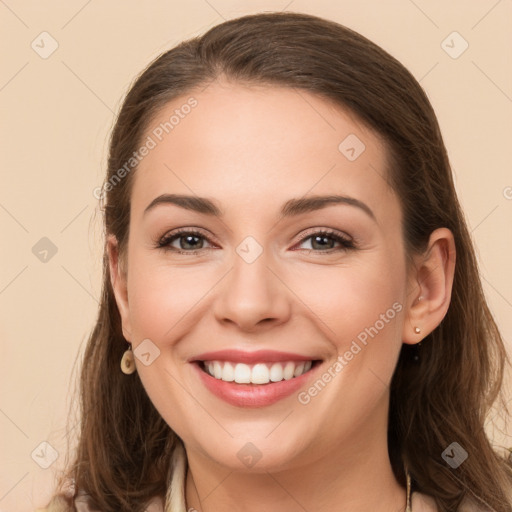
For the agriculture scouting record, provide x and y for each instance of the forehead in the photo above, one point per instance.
(247, 144)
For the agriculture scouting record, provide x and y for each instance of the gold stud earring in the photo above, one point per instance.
(128, 362)
(417, 330)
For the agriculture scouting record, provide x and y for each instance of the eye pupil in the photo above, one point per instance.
(188, 238)
(323, 238)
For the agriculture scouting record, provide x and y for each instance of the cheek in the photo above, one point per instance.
(359, 311)
(164, 299)
(346, 300)
(152, 304)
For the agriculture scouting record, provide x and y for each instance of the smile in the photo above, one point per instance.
(260, 373)
(256, 378)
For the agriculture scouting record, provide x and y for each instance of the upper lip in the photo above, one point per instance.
(257, 356)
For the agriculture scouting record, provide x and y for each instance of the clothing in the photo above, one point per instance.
(420, 503)
(425, 503)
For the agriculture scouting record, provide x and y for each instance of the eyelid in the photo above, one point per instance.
(164, 241)
(325, 231)
(186, 230)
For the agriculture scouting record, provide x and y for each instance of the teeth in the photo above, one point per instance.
(242, 373)
(260, 373)
(217, 370)
(298, 370)
(276, 372)
(289, 370)
(228, 372)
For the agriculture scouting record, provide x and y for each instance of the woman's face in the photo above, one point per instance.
(261, 281)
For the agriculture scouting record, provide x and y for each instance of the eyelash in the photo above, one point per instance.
(164, 242)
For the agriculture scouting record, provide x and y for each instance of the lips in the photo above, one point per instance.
(257, 356)
(253, 379)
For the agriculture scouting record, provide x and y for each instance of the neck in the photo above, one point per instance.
(356, 474)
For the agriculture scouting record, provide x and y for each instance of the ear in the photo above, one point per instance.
(430, 286)
(119, 283)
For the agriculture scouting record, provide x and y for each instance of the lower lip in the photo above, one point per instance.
(252, 395)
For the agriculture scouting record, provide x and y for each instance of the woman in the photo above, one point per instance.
(289, 288)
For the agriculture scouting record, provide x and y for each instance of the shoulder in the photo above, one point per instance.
(425, 503)
(81, 504)
(469, 505)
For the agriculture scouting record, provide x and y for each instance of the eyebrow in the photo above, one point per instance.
(291, 208)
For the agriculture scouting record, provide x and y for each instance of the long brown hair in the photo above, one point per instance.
(124, 449)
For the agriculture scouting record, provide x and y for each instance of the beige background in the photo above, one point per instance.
(57, 113)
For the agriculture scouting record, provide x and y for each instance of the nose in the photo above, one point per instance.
(253, 297)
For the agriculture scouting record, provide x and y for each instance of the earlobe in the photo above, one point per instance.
(430, 295)
(119, 284)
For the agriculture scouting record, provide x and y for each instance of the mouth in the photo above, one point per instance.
(260, 373)
(254, 379)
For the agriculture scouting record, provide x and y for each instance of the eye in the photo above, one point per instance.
(189, 241)
(323, 241)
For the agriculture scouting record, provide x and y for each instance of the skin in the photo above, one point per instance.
(250, 149)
